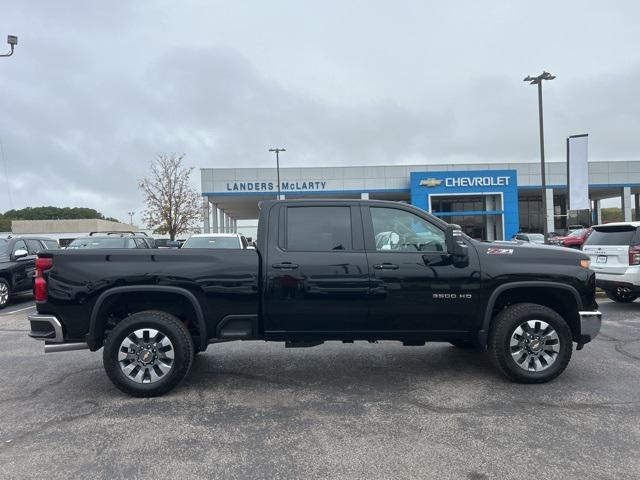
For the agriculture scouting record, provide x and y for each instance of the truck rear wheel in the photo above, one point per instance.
(148, 353)
(530, 343)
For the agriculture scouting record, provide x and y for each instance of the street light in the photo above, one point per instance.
(130, 217)
(538, 81)
(278, 150)
(12, 40)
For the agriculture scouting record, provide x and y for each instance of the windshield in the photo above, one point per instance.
(90, 242)
(3, 246)
(212, 242)
(536, 237)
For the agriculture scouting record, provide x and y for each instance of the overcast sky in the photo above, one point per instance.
(95, 89)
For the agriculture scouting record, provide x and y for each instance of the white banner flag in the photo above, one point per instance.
(578, 172)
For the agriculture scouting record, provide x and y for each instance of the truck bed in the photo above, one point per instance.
(226, 278)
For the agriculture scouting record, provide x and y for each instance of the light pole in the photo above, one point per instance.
(538, 81)
(130, 217)
(278, 150)
(12, 40)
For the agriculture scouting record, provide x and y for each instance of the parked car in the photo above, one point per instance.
(575, 239)
(216, 240)
(167, 243)
(318, 275)
(529, 237)
(113, 240)
(614, 249)
(17, 264)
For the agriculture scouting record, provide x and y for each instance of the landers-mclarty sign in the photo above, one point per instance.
(466, 182)
(272, 187)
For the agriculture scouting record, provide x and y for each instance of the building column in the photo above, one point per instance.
(214, 218)
(364, 196)
(227, 223)
(550, 214)
(235, 225)
(222, 215)
(490, 220)
(205, 214)
(597, 212)
(626, 204)
(637, 206)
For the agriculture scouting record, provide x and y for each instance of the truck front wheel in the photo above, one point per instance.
(148, 353)
(530, 343)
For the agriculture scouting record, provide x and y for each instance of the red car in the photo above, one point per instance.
(575, 239)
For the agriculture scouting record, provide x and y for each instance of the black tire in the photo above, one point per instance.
(464, 344)
(619, 296)
(5, 292)
(171, 327)
(505, 325)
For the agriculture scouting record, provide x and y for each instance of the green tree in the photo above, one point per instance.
(49, 213)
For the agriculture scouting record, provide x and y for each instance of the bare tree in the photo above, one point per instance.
(173, 205)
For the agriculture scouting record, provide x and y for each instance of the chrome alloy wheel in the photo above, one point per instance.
(146, 356)
(4, 293)
(534, 345)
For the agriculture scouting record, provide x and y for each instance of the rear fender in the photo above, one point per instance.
(96, 324)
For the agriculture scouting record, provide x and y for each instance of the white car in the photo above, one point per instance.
(217, 240)
(614, 249)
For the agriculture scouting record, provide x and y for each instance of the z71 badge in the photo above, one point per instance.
(499, 251)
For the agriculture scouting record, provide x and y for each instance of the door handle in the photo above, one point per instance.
(285, 266)
(386, 266)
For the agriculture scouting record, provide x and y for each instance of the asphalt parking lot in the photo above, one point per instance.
(258, 410)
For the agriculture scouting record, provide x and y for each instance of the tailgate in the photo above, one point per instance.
(609, 259)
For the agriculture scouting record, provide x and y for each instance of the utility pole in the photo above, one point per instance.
(12, 40)
(278, 150)
(538, 81)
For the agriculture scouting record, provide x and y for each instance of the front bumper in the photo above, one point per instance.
(49, 329)
(590, 323)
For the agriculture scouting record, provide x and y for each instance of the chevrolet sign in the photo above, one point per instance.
(430, 182)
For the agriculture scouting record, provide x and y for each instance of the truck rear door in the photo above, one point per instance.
(317, 277)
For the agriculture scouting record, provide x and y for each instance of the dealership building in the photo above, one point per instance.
(490, 201)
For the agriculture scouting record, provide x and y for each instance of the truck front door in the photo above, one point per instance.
(317, 277)
(416, 285)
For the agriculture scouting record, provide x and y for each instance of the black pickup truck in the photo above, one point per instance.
(323, 270)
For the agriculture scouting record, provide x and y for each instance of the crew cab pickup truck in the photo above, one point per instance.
(323, 270)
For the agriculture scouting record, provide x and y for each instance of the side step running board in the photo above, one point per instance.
(64, 347)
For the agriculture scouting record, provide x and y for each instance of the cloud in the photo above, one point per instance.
(93, 93)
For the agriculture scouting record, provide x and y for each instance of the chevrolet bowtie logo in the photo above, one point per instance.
(430, 182)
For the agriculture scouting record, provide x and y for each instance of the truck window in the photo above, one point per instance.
(318, 229)
(403, 231)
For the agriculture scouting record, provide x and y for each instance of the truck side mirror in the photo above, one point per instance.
(453, 240)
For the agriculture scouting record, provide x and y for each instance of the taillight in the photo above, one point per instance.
(634, 255)
(39, 283)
